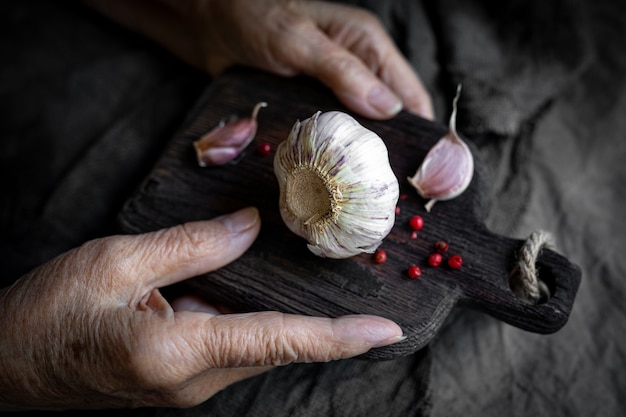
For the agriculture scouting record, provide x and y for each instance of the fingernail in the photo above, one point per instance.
(370, 330)
(427, 112)
(425, 109)
(241, 220)
(384, 101)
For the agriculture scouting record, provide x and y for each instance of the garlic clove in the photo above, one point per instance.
(337, 188)
(448, 167)
(227, 140)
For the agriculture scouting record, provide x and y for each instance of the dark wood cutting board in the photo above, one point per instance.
(279, 273)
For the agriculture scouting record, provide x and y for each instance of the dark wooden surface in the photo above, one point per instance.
(279, 273)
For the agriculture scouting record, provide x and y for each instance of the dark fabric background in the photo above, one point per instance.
(86, 107)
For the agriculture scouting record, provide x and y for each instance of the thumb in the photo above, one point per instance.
(273, 338)
(171, 255)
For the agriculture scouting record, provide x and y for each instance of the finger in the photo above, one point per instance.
(171, 255)
(362, 65)
(272, 338)
(308, 50)
(195, 304)
(358, 88)
(403, 80)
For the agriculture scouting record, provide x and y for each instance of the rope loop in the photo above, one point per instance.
(524, 279)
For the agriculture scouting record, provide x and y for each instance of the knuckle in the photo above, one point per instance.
(340, 64)
(278, 343)
(282, 351)
(366, 18)
(103, 260)
(225, 347)
(179, 237)
(248, 342)
(182, 241)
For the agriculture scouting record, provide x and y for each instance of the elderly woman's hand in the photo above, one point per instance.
(91, 329)
(344, 47)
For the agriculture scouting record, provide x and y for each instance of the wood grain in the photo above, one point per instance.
(279, 273)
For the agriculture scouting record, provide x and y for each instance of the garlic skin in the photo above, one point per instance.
(228, 140)
(448, 167)
(337, 188)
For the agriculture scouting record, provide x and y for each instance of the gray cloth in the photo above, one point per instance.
(87, 107)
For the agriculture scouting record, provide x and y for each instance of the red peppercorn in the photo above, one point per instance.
(413, 234)
(416, 222)
(403, 196)
(414, 272)
(380, 256)
(441, 246)
(397, 210)
(264, 149)
(435, 259)
(455, 261)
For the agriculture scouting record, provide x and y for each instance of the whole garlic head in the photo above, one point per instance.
(337, 188)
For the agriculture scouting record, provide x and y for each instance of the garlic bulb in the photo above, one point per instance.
(337, 189)
(448, 167)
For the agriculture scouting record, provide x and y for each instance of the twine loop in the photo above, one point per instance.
(524, 279)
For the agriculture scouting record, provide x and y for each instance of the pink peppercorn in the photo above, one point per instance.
(380, 256)
(416, 222)
(414, 272)
(264, 149)
(441, 246)
(435, 259)
(455, 261)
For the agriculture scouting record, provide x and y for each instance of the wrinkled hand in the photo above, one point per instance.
(345, 47)
(91, 329)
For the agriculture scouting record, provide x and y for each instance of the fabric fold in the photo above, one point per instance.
(512, 58)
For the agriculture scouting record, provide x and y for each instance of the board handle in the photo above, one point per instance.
(547, 315)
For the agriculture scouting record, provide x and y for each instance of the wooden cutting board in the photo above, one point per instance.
(279, 273)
